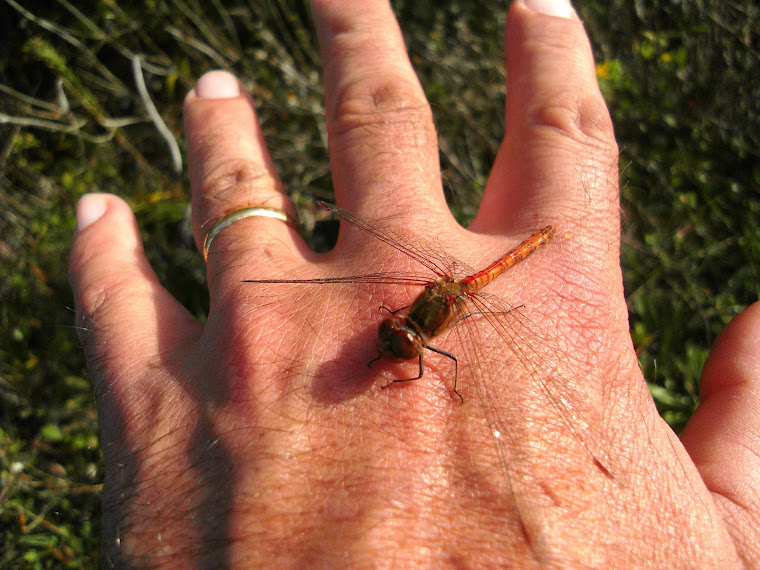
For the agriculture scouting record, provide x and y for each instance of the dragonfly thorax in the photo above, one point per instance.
(434, 311)
(436, 308)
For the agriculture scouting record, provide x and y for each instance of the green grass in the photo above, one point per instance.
(680, 79)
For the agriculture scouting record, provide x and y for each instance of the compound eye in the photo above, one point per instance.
(395, 340)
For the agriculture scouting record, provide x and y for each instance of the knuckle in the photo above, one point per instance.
(235, 175)
(386, 101)
(584, 120)
(92, 298)
(94, 307)
(95, 300)
(233, 183)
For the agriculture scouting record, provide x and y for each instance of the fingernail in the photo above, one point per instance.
(217, 85)
(90, 209)
(560, 8)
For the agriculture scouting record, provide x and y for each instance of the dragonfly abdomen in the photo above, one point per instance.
(477, 281)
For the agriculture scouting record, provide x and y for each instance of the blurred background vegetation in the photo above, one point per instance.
(680, 77)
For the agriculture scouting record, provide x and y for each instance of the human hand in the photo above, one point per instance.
(262, 438)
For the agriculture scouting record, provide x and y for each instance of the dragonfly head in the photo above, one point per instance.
(398, 339)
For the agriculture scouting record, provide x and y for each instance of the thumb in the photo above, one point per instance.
(125, 318)
(723, 436)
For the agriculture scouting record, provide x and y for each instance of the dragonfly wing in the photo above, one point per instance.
(541, 356)
(423, 251)
(387, 277)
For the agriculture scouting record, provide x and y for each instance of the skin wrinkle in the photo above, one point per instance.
(234, 178)
(352, 131)
(342, 28)
(158, 457)
(389, 99)
(577, 404)
(367, 94)
(139, 509)
(576, 219)
(739, 523)
(345, 47)
(581, 322)
(576, 288)
(97, 299)
(393, 153)
(311, 305)
(230, 175)
(581, 120)
(348, 463)
(230, 259)
(730, 494)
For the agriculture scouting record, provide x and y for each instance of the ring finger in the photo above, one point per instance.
(230, 170)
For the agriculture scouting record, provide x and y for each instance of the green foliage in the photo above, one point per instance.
(680, 79)
(677, 78)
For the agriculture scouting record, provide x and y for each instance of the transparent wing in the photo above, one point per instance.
(540, 356)
(387, 277)
(425, 252)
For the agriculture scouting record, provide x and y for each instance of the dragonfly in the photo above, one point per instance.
(452, 293)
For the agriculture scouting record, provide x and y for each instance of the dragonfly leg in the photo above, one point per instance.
(422, 370)
(456, 367)
(391, 311)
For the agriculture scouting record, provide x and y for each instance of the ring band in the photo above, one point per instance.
(232, 217)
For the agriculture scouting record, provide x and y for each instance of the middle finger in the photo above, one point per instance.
(383, 145)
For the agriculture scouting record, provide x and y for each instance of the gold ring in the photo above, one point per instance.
(232, 217)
